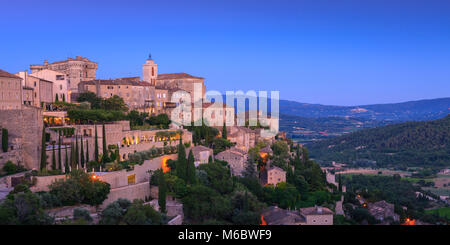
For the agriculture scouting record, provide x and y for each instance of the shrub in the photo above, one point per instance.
(10, 168)
(81, 213)
(80, 188)
(4, 139)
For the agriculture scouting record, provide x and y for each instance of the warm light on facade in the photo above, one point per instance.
(164, 166)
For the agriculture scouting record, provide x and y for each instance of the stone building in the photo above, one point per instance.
(150, 71)
(201, 154)
(10, 91)
(236, 158)
(275, 175)
(76, 70)
(382, 210)
(59, 80)
(42, 89)
(317, 215)
(306, 216)
(245, 138)
(182, 81)
(135, 93)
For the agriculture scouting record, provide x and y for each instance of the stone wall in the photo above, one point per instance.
(25, 128)
(138, 191)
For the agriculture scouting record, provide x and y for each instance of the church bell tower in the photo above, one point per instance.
(150, 71)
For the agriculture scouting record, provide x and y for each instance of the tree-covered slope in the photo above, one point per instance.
(409, 143)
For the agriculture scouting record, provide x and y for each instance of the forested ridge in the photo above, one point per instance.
(409, 143)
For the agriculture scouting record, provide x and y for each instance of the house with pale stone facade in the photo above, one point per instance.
(236, 158)
(201, 154)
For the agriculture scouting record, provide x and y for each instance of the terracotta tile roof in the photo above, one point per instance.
(275, 168)
(30, 75)
(315, 211)
(276, 216)
(266, 149)
(176, 76)
(7, 74)
(126, 81)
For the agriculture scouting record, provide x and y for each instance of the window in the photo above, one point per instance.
(60, 87)
(59, 77)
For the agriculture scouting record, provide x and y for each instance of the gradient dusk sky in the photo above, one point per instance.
(337, 52)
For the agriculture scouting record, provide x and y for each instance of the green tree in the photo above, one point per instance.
(91, 98)
(56, 98)
(72, 155)
(105, 149)
(82, 153)
(87, 151)
(23, 208)
(80, 188)
(224, 131)
(66, 164)
(64, 97)
(4, 139)
(250, 169)
(162, 186)
(59, 151)
(190, 178)
(53, 157)
(43, 164)
(96, 144)
(181, 166)
(77, 152)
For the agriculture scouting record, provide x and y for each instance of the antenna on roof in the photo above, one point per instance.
(150, 56)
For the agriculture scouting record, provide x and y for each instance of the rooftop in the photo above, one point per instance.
(317, 210)
(119, 81)
(7, 74)
(176, 76)
(276, 216)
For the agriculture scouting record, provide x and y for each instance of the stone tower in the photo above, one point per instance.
(150, 71)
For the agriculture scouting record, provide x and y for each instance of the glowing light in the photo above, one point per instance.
(164, 166)
(93, 177)
(409, 221)
(263, 222)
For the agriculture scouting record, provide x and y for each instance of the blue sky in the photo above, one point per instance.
(336, 52)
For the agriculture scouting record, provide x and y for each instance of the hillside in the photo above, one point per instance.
(307, 129)
(406, 144)
(399, 112)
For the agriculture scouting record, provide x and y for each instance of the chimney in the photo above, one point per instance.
(319, 209)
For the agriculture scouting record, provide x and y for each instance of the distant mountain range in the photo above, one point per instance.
(310, 122)
(420, 110)
(407, 144)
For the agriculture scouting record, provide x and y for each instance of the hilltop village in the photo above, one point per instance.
(85, 148)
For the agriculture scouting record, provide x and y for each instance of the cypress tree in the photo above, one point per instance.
(77, 153)
(72, 155)
(105, 150)
(53, 157)
(4, 139)
(64, 97)
(224, 131)
(82, 153)
(66, 164)
(43, 164)
(190, 172)
(162, 192)
(181, 161)
(56, 98)
(59, 152)
(87, 151)
(96, 145)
